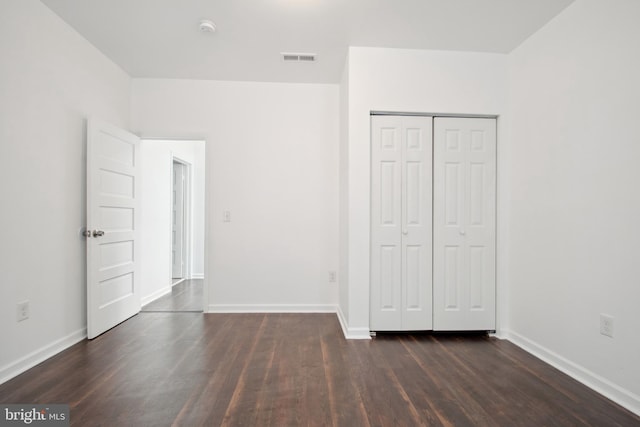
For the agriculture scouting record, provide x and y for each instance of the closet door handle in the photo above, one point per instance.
(405, 232)
(462, 232)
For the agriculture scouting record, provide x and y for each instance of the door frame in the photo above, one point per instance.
(187, 248)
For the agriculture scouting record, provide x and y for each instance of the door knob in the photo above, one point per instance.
(98, 233)
(405, 232)
(462, 232)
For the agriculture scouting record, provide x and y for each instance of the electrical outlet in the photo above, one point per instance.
(332, 276)
(606, 325)
(23, 311)
(226, 216)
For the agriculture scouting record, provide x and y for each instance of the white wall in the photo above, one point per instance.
(51, 79)
(272, 160)
(575, 210)
(156, 163)
(405, 81)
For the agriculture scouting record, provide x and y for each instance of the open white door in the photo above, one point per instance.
(113, 211)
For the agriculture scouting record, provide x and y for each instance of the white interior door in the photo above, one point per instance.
(401, 188)
(464, 224)
(113, 250)
(177, 220)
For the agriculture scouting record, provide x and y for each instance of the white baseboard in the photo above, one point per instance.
(154, 296)
(197, 276)
(38, 356)
(352, 333)
(501, 334)
(612, 391)
(271, 308)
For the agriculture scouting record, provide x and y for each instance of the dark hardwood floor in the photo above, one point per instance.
(185, 296)
(189, 369)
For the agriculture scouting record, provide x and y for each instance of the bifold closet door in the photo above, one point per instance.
(464, 220)
(401, 221)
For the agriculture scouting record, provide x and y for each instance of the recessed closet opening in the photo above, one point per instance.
(433, 222)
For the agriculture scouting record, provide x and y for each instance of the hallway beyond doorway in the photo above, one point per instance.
(185, 296)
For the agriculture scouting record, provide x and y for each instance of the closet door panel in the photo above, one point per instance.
(417, 223)
(451, 277)
(401, 223)
(464, 224)
(386, 224)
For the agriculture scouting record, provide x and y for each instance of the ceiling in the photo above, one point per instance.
(161, 38)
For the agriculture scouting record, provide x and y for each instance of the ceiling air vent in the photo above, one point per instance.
(299, 57)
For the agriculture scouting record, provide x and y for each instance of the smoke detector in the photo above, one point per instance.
(207, 26)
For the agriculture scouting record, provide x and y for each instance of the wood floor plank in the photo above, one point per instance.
(193, 369)
(345, 396)
(436, 389)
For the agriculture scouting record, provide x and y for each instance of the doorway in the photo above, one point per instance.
(173, 225)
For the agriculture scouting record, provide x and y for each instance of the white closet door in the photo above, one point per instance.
(464, 224)
(401, 223)
(416, 223)
(386, 223)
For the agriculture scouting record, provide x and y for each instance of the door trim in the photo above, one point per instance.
(186, 216)
(434, 115)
